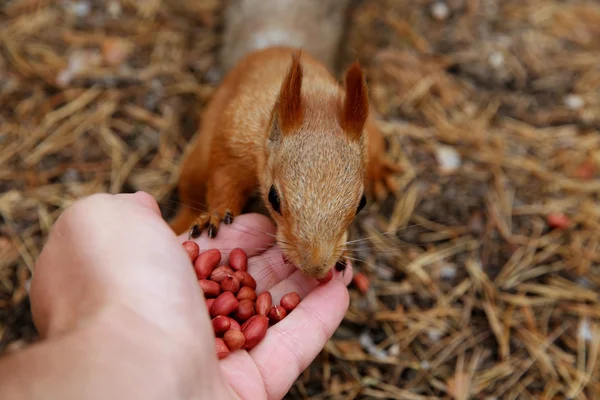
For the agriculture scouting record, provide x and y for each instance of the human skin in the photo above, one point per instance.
(120, 314)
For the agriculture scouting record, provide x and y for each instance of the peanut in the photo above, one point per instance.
(234, 340)
(209, 303)
(234, 325)
(221, 348)
(231, 299)
(222, 272)
(264, 302)
(245, 279)
(192, 249)
(327, 277)
(210, 288)
(245, 310)
(254, 330)
(276, 314)
(361, 282)
(238, 260)
(290, 301)
(206, 263)
(221, 324)
(246, 293)
(230, 284)
(225, 304)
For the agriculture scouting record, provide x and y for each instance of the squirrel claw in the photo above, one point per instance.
(206, 221)
(228, 218)
(194, 232)
(212, 231)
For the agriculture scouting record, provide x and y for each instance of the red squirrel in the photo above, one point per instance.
(281, 123)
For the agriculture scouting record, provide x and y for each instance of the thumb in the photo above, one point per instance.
(142, 198)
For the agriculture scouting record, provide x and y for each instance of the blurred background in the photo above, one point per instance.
(484, 272)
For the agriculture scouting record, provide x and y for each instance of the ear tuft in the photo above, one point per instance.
(356, 104)
(289, 108)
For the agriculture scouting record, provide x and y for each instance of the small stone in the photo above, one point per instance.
(80, 8)
(367, 343)
(434, 335)
(496, 59)
(114, 8)
(394, 350)
(585, 331)
(448, 158)
(573, 101)
(448, 271)
(439, 11)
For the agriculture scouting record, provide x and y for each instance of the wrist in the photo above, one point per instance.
(115, 354)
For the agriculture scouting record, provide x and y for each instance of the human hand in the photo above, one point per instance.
(270, 368)
(112, 261)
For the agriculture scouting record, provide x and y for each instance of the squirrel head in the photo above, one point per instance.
(315, 167)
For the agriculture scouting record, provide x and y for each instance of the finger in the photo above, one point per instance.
(303, 285)
(292, 344)
(254, 233)
(269, 268)
(143, 199)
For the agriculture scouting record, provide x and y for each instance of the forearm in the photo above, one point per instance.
(106, 358)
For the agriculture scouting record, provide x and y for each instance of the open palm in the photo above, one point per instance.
(270, 368)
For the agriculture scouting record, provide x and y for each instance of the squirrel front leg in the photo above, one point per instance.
(227, 191)
(380, 171)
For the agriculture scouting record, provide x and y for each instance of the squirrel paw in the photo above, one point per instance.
(211, 222)
(382, 178)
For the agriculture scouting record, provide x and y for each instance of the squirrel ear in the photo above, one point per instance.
(290, 111)
(356, 104)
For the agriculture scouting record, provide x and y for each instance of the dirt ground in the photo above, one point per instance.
(484, 270)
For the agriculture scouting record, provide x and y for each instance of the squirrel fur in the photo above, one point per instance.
(280, 123)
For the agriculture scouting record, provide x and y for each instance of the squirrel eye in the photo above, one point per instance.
(274, 199)
(362, 204)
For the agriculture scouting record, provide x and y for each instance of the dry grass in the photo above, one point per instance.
(473, 293)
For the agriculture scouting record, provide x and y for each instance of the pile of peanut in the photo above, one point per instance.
(240, 317)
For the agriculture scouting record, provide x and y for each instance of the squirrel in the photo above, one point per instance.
(280, 123)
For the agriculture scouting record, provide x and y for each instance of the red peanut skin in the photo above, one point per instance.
(225, 304)
(230, 284)
(264, 302)
(361, 282)
(221, 324)
(255, 330)
(238, 260)
(245, 310)
(209, 303)
(192, 249)
(221, 348)
(327, 277)
(246, 293)
(206, 263)
(245, 279)
(276, 314)
(220, 273)
(234, 340)
(234, 325)
(290, 301)
(209, 288)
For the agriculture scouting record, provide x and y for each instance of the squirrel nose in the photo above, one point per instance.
(316, 257)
